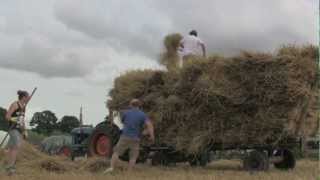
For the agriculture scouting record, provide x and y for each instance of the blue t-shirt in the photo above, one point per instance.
(133, 121)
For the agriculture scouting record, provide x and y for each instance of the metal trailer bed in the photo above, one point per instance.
(254, 157)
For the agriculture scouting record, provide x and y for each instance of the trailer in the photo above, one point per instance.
(99, 141)
(254, 158)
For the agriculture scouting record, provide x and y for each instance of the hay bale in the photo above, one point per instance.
(253, 98)
(52, 165)
(170, 57)
(29, 153)
(30, 157)
(131, 84)
(96, 165)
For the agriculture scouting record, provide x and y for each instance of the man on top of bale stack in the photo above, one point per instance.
(133, 120)
(191, 46)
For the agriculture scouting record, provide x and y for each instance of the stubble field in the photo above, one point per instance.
(220, 170)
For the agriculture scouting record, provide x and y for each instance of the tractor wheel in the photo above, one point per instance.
(256, 161)
(102, 140)
(159, 159)
(65, 151)
(288, 161)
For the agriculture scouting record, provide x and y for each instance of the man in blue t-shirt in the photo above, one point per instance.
(134, 121)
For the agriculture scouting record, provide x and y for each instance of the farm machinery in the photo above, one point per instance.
(99, 141)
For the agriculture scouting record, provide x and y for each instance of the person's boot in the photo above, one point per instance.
(108, 171)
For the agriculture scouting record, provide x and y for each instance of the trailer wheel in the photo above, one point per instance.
(204, 159)
(193, 161)
(256, 161)
(159, 159)
(288, 161)
(200, 160)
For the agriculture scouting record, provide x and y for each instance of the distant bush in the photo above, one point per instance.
(4, 125)
(58, 133)
(35, 138)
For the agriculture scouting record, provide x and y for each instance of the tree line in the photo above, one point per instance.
(45, 122)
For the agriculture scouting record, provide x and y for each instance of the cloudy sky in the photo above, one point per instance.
(73, 49)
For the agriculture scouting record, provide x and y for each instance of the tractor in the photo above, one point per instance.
(100, 140)
(95, 141)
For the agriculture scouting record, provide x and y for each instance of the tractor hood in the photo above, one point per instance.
(84, 130)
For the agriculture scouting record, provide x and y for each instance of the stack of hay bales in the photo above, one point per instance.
(250, 99)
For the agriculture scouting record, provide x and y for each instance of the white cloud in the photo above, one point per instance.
(2, 23)
(106, 71)
(37, 54)
(79, 38)
(228, 26)
(134, 25)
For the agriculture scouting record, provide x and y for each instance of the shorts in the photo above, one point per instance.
(15, 138)
(126, 143)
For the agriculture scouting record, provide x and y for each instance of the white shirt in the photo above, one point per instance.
(191, 46)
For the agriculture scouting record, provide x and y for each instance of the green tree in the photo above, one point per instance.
(44, 122)
(35, 138)
(67, 123)
(4, 125)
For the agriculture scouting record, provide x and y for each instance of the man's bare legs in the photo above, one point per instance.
(132, 163)
(114, 160)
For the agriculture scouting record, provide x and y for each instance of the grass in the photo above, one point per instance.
(221, 170)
